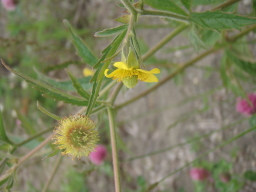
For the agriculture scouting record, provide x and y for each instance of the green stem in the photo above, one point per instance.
(225, 5)
(114, 150)
(115, 93)
(163, 14)
(33, 137)
(55, 169)
(185, 143)
(170, 76)
(204, 154)
(241, 34)
(96, 109)
(109, 86)
(164, 41)
(130, 7)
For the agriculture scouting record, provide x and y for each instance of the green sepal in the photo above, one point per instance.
(130, 82)
(132, 60)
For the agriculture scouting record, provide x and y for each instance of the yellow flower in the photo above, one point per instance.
(76, 136)
(123, 72)
(88, 72)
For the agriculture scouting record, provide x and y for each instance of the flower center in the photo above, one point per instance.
(78, 136)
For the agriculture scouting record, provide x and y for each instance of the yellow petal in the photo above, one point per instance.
(154, 71)
(147, 77)
(111, 74)
(120, 65)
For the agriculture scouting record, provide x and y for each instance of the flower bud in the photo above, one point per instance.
(9, 5)
(199, 174)
(98, 155)
(246, 108)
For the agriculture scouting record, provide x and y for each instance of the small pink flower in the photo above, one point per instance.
(246, 108)
(97, 157)
(9, 5)
(199, 174)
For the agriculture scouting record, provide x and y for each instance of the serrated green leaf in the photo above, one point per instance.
(115, 45)
(219, 20)
(228, 78)
(165, 5)
(48, 112)
(123, 19)
(109, 51)
(196, 41)
(111, 31)
(106, 51)
(247, 66)
(83, 51)
(99, 74)
(63, 85)
(78, 86)
(210, 37)
(49, 91)
(250, 175)
(186, 3)
(3, 135)
(95, 75)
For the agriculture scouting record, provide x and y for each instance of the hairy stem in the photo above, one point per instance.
(114, 150)
(115, 93)
(225, 5)
(164, 41)
(130, 7)
(55, 169)
(241, 34)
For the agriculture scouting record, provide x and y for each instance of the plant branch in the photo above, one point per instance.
(55, 169)
(27, 156)
(115, 93)
(114, 150)
(165, 40)
(163, 14)
(130, 7)
(225, 5)
(170, 76)
(241, 34)
(33, 137)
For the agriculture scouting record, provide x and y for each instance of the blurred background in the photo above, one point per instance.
(33, 40)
